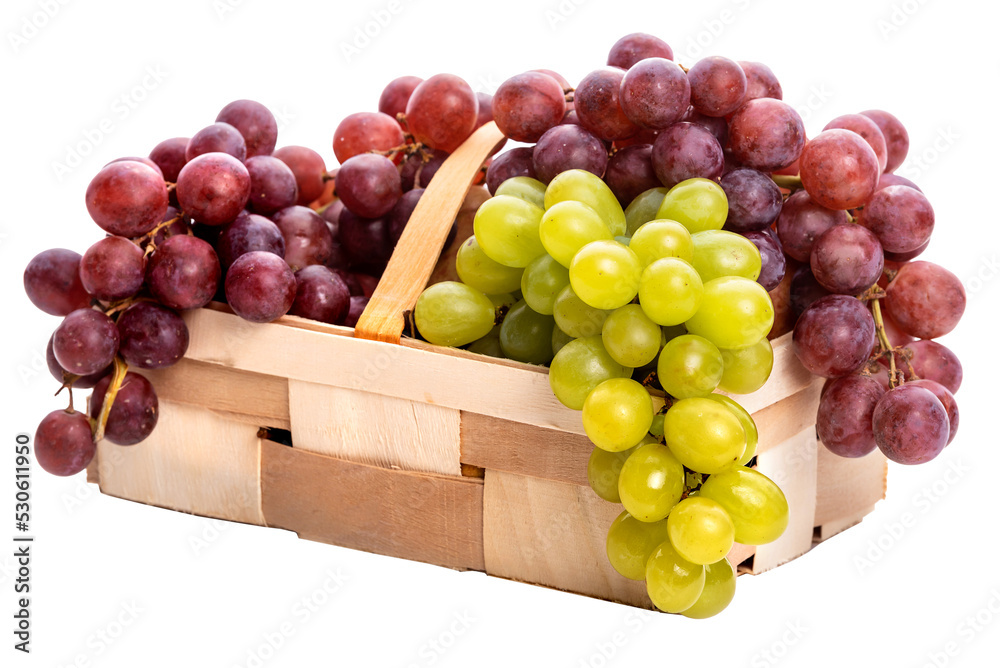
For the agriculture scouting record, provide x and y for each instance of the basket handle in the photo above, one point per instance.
(420, 245)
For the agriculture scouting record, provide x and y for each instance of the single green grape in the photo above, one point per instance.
(720, 588)
(506, 228)
(603, 469)
(575, 317)
(542, 282)
(673, 583)
(723, 253)
(489, 344)
(559, 340)
(617, 414)
(605, 274)
(630, 337)
(757, 506)
(697, 204)
(658, 239)
(747, 369)
(700, 530)
(526, 336)
(567, 227)
(581, 186)
(704, 435)
(689, 366)
(643, 209)
(579, 367)
(670, 291)
(631, 542)
(478, 270)
(749, 426)
(504, 300)
(453, 314)
(656, 428)
(651, 482)
(524, 187)
(735, 312)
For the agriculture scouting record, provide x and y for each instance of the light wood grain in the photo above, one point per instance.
(373, 429)
(424, 517)
(194, 461)
(848, 488)
(788, 417)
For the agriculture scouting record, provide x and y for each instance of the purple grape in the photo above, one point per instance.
(64, 444)
(900, 258)
(847, 259)
(897, 140)
(485, 109)
(217, 138)
(127, 198)
(834, 336)
(113, 268)
(320, 295)
(655, 93)
(867, 129)
(766, 134)
(364, 132)
(684, 151)
(597, 104)
(366, 241)
(400, 216)
(900, 217)
(567, 147)
(63, 376)
(183, 273)
(213, 188)
(772, 260)
(255, 123)
(804, 290)
(411, 172)
(839, 169)
(442, 112)
(754, 200)
(887, 179)
(718, 86)
(802, 221)
(152, 336)
(630, 173)
(357, 307)
(249, 232)
(307, 238)
(717, 126)
(369, 185)
(396, 94)
(272, 184)
(527, 105)
(260, 286)
(934, 361)
(308, 168)
(52, 282)
(637, 46)
(761, 81)
(911, 425)
(947, 400)
(85, 342)
(180, 226)
(925, 299)
(133, 414)
(170, 155)
(844, 418)
(426, 171)
(515, 162)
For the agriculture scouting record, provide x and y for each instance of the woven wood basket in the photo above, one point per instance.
(433, 454)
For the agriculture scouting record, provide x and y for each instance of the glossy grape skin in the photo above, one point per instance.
(260, 286)
(479, 271)
(526, 336)
(63, 376)
(834, 336)
(686, 151)
(746, 421)
(603, 471)
(630, 173)
(844, 417)
(670, 291)
(133, 415)
(605, 274)
(630, 337)
(910, 424)
(396, 94)
(651, 482)
(947, 400)
(85, 342)
(579, 367)
(868, 130)
(766, 134)
(400, 214)
(673, 583)
(637, 46)
(698, 204)
(320, 295)
(847, 259)
(705, 435)
(745, 370)
(272, 184)
(735, 312)
(887, 179)
(217, 138)
(804, 291)
(617, 414)
(566, 147)
(307, 238)
(925, 299)
(255, 123)
(659, 239)
(366, 131)
(442, 112)
(772, 259)
(643, 208)
(515, 162)
(700, 530)
(689, 366)
(717, 126)
(541, 282)
(357, 307)
(802, 221)
(369, 185)
(718, 593)
(597, 101)
(453, 314)
(718, 86)
(761, 81)
(249, 232)
(308, 168)
(213, 188)
(524, 187)
(756, 505)
(720, 253)
(896, 138)
(575, 317)
(839, 169)
(580, 186)
(152, 336)
(900, 217)
(127, 198)
(934, 361)
(655, 93)
(630, 542)
(64, 444)
(170, 155)
(52, 282)
(754, 200)
(183, 273)
(527, 105)
(507, 229)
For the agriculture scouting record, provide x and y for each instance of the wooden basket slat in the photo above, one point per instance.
(848, 488)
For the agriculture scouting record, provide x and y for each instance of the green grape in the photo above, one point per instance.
(605, 274)
(656, 428)
(567, 227)
(735, 312)
(757, 506)
(630, 337)
(542, 282)
(603, 469)
(504, 301)
(488, 345)
(643, 209)
(722, 253)
(704, 435)
(617, 414)
(477, 270)
(507, 231)
(651, 482)
(623, 240)
(700, 530)
(575, 317)
(670, 291)
(689, 366)
(526, 336)
(524, 187)
(672, 582)
(749, 426)
(747, 369)
(579, 367)
(579, 185)
(631, 542)
(559, 340)
(658, 239)
(453, 314)
(720, 588)
(697, 204)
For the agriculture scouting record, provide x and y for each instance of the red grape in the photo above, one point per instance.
(255, 122)
(598, 107)
(527, 105)
(357, 307)
(761, 81)
(718, 86)
(766, 134)
(133, 414)
(170, 155)
(717, 126)
(834, 336)
(897, 140)
(934, 361)
(61, 375)
(844, 418)
(320, 295)
(366, 241)
(396, 94)
(64, 444)
(772, 260)
(910, 424)
(152, 336)
(183, 273)
(113, 268)
(887, 179)
(127, 198)
(802, 221)
(925, 299)
(85, 342)
(868, 130)
(846, 259)
(637, 46)
(839, 169)
(260, 286)
(146, 161)
(754, 200)
(515, 162)
(52, 282)
(947, 400)
(900, 217)
(369, 185)
(308, 167)
(566, 147)
(397, 219)
(366, 131)
(655, 93)
(213, 188)
(272, 184)
(630, 173)
(485, 115)
(442, 111)
(684, 151)
(307, 238)
(804, 290)
(217, 138)
(249, 232)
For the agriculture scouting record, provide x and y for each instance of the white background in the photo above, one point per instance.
(100, 562)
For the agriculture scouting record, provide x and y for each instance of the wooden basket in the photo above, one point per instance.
(433, 454)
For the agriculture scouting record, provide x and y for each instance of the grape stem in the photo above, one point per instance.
(117, 377)
(792, 183)
(149, 236)
(895, 375)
